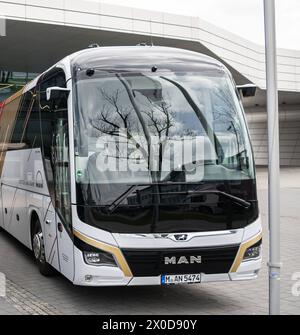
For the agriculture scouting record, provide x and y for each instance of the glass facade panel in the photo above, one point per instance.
(12, 82)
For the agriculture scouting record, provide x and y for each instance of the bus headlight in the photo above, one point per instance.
(100, 258)
(253, 252)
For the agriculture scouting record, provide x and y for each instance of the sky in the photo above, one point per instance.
(243, 18)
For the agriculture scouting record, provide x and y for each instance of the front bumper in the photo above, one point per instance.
(114, 277)
(128, 274)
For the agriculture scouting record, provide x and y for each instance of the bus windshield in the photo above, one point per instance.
(138, 128)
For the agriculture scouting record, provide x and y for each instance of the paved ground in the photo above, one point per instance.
(30, 293)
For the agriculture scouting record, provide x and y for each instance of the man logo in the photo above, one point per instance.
(182, 237)
(183, 260)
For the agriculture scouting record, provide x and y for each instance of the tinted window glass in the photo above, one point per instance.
(51, 79)
(32, 136)
(8, 117)
(22, 117)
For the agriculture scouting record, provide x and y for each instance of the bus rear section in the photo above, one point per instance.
(136, 169)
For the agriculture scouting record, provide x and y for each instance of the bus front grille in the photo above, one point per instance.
(155, 262)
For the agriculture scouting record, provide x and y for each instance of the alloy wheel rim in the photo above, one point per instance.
(38, 246)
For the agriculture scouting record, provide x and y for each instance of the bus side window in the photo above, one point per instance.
(32, 132)
(8, 117)
(20, 125)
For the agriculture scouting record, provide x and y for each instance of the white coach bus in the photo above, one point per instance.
(132, 166)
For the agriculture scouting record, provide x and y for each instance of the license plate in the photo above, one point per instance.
(180, 279)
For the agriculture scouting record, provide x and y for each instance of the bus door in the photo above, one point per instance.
(62, 193)
(55, 135)
(50, 241)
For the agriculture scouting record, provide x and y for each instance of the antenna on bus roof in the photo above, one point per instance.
(93, 45)
(142, 44)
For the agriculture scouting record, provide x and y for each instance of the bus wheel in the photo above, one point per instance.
(39, 251)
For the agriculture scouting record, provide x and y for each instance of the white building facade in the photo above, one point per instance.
(40, 32)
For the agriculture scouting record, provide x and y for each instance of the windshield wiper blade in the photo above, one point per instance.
(237, 200)
(133, 188)
(113, 206)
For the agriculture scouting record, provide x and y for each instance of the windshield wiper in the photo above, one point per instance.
(113, 206)
(116, 203)
(237, 200)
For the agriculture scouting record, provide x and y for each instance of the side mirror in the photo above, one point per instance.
(56, 92)
(248, 90)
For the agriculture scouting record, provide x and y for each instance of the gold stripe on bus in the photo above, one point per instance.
(108, 248)
(241, 253)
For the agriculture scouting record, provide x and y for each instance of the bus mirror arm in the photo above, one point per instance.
(247, 91)
(55, 92)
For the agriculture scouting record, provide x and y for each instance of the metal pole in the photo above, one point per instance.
(274, 161)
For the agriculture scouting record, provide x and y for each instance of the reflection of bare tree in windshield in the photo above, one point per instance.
(159, 118)
(109, 121)
(113, 119)
(225, 110)
(225, 116)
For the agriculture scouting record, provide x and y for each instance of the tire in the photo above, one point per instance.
(37, 242)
